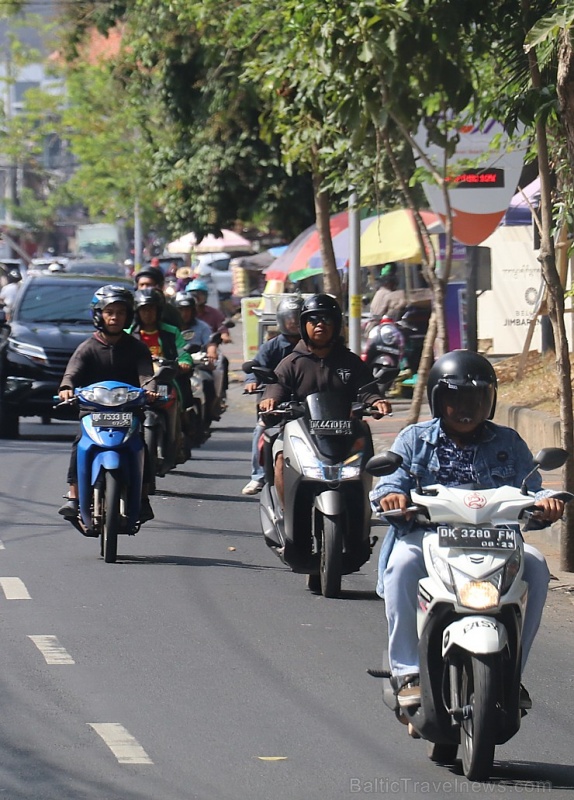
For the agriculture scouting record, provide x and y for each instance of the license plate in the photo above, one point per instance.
(163, 390)
(112, 419)
(476, 538)
(330, 427)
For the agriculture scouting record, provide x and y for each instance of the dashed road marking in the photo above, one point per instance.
(52, 650)
(14, 589)
(2, 545)
(126, 749)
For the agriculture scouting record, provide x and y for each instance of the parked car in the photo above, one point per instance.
(49, 319)
(82, 266)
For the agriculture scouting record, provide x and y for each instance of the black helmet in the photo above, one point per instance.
(321, 304)
(155, 273)
(470, 381)
(288, 313)
(106, 295)
(184, 300)
(13, 275)
(149, 297)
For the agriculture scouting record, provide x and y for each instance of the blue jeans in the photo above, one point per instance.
(257, 471)
(400, 578)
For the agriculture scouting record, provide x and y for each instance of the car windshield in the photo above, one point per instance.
(57, 302)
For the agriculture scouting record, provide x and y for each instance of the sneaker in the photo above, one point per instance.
(146, 511)
(524, 699)
(253, 487)
(70, 508)
(408, 690)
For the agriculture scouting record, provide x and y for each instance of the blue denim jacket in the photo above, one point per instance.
(502, 458)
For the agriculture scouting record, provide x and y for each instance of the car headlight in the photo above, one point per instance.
(478, 595)
(31, 351)
(313, 467)
(109, 397)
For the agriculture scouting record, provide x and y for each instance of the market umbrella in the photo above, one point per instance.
(384, 238)
(229, 240)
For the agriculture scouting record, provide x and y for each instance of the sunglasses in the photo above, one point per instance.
(315, 319)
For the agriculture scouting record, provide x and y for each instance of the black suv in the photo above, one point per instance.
(50, 317)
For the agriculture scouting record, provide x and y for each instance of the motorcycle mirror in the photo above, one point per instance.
(165, 373)
(215, 338)
(384, 463)
(229, 323)
(264, 375)
(192, 348)
(246, 367)
(550, 458)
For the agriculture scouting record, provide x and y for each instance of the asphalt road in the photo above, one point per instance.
(199, 667)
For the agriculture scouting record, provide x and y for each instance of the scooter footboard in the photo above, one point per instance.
(475, 634)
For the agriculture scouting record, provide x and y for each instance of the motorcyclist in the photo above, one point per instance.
(269, 355)
(163, 341)
(389, 300)
(215, 319)
(460, 445)
(11, 287)
(152, 277)
(194, 331)
(320, 362)
(109, 355)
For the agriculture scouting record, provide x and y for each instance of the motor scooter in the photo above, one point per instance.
(110, 461)
(470, 615)
(161, 423)
(323, 530)
(384, 348)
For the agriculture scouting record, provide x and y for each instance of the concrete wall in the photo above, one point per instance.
(537, 428)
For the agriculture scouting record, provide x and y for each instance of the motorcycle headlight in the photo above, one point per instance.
(313, 467)
(31, 351)
(109, 397)
(478, 595)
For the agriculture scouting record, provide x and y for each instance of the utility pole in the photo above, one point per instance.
(354, 275)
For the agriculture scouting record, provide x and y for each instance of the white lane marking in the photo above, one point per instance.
(126, 749)
(14, 589)
(52, 650)
(2, 546)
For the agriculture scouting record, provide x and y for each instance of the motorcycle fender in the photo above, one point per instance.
(105, 459)
(329, 503)
(151, 419)
(475, 634)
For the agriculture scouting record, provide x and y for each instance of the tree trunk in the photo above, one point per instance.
(426, 362)
(331, 280)
(565, 91)
(556, 300)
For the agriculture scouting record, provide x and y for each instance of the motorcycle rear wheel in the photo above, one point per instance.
(331, 555)
(111, 518)
(477, 732)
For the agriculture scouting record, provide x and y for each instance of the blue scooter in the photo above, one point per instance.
(110, 462)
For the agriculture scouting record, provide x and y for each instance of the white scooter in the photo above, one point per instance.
(470, 615)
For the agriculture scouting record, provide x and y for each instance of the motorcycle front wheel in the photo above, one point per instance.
(111, 518)
(150, 437)
(477, 732)
(331, 555)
